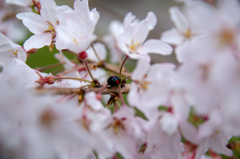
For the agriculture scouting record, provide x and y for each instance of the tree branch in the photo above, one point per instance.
(66, 91)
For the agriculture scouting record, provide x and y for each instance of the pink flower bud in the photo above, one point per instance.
(82, 55)
(99, 97)
(32, 51)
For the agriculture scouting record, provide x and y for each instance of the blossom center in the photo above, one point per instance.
(47, 118)
(118, 125)
(75, 41)
(188, 34)
(13, 52)
(205, 71)
(226, 36)
(143, 85)
(85, 122)
(51, 29)
(134, 46)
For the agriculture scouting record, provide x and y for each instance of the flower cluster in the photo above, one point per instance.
(94, 108)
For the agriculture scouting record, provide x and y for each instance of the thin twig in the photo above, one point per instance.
(87, 67)
(122, 64)
(115, 69)
(95, 52)
(73, 69)
(48, 67)
(120, 96)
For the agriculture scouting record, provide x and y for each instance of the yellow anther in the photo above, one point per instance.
(117, 126)
(188, 34)
(217, 132)
(143, 85)
(226, 36)
(134, 46)
(50, 27)
(75, 41)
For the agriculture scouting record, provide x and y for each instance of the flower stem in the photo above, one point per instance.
(120, 95)
(86, 65)
(48, 67)
(95, 52)
(115, 69)
(73, 69)
(102, 89)
(121, 67)
(116, 106)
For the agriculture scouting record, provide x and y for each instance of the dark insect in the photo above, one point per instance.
(113, 81)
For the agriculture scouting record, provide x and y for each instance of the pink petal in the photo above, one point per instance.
(34, 22)
(141, 30)
(128, 19)
(156, 46)
(82, 8)
(133, 97)
(142, 67)
(202, 149)
(38, 41)
(179, 20)
(172, 36)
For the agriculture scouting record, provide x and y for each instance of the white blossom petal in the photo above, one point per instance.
(142, 67)
(100, 50)
(37, 41)
(34, 22)
(178, 18)
(169, 124)
(155, 46)
(140, 31)
(172, 36)
(49, 11)
(128, 19)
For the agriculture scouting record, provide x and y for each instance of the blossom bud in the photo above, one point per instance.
(82, 55)
(50, 80)
(99, 97)
(32, 51)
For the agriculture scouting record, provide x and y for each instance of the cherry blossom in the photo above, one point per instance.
(183, 30)
(151, 85)
(125, 133)
(159, 143)
(43, 25)
(115, 29)
(76, 32)
(132, 40)
(10, 50)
